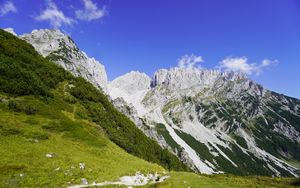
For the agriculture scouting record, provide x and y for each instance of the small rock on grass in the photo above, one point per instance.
(84, 181)
(81, 166)
(49, 155)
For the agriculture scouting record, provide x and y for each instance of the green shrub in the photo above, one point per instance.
(23, 71)
(12, 105)
(30, 110)
(37, 135)
(22, 107)
(10, 132)
(296, 182)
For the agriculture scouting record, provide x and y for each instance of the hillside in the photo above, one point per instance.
(52, 121)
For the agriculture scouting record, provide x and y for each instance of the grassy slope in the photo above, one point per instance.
(191, 180)
(26, 139)
(185, 180)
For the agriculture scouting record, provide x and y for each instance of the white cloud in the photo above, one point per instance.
(240, 64)
(55, 16)
(7, 8)
(190, 61)
(90, 11)
(267, 62)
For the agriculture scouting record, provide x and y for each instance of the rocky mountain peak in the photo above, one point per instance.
(190, 81)
(181, 78)
(46, 41)
(10, 30)
(132, 82)
(61, 49)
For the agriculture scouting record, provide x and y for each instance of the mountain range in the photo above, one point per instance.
(213, 121)
(207, 121)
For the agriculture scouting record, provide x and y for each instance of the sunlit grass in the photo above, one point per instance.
(185, 180)
(24, 145)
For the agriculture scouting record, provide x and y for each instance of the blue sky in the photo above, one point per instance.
(258, 37)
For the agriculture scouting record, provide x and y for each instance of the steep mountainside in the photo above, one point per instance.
(61, 49)
(48, 113)
(217, 122)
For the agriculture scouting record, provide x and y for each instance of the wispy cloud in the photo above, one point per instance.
(55, 16)
(190, 61)
(241, 64)
(90, 11)
(7, 8)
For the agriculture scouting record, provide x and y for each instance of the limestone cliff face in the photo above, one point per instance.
(61, 49)
(213, 119)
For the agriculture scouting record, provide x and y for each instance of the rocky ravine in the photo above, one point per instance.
(215, 122)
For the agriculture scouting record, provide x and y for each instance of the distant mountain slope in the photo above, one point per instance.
(221, 122)
(47, 109)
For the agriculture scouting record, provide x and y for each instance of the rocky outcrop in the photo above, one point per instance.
(61, 49)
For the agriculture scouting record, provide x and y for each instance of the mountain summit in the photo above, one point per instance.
(61, 49)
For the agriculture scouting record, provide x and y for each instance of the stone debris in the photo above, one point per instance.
(81, 166)
(57, 169)
(138, 179)
(49, 155)
(84, 181)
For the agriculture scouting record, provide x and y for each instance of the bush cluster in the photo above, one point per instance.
(23, 71)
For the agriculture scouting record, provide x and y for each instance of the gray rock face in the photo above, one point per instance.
(215, 119)
(60, 48)
(10, 30)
